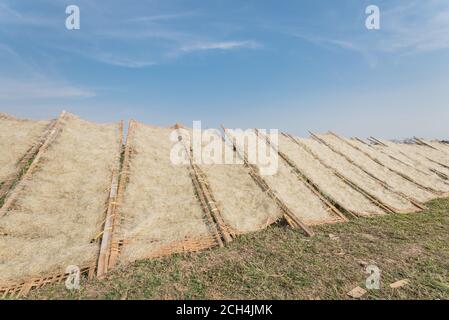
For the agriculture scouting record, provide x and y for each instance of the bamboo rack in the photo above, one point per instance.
(384, 184)
(307, 182)
(391, 169)
(24, 161)
(23, 288)
(370, 197)
(289, 215)
(439, 173)
(184, 246)
(14, 193)
(207, 200)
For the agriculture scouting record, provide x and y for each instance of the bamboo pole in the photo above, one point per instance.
(422, 142)
(103, 257)
(376, 141)
(113, 249)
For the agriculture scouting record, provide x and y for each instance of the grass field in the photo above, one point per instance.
(280, 263)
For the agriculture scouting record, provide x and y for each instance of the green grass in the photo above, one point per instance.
(281, 263)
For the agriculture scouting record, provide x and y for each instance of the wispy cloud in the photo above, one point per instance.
(418, 27)
(411, 28)
(130, 38)
(120, 61)
(224, 45)
(163, 17)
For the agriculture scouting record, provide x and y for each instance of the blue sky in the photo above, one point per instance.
(290, 65)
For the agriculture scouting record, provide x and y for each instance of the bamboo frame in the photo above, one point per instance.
(103, 256)
(301, 177)
(14, 194)
(289, 216)
(370, 197)
(216, 224)
(386, 154)
(384, 184)
(268, 221)
(393, 170)
(23, 288)
(23, 162)
(184, 246)
(351, 212)
(439, 173)
(421, 142)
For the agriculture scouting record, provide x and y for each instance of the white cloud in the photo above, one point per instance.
(163, 17)
(120, 61)
(225, 45)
